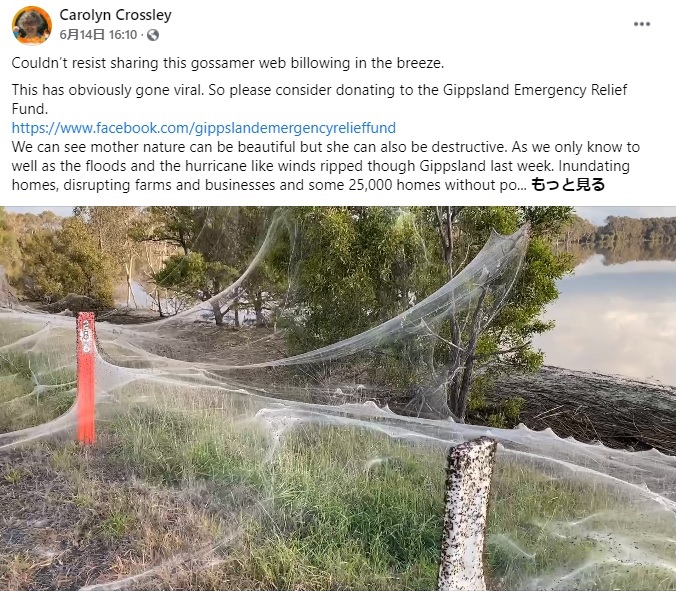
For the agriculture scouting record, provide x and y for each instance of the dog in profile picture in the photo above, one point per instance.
(31, 26)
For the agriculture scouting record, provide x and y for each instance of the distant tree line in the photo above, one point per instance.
(619, 229)
(617, 253)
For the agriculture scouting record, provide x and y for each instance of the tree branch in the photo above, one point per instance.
(503, 352)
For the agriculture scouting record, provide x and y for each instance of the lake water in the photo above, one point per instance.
(616, 315)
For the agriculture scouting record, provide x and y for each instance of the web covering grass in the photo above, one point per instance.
(306, 495)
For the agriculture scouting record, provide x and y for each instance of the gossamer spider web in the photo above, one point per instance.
(474, 296)
(324, 390)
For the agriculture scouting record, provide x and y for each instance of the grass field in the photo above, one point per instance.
(31, 392)
(187, 487)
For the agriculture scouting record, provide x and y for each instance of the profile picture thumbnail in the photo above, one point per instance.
(31, 25)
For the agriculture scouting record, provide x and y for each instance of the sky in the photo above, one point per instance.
(595, 214)
(62, 211)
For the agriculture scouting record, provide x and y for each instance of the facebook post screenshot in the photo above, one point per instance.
(365, 296)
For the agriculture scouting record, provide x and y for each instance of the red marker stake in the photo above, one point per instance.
(85, 378)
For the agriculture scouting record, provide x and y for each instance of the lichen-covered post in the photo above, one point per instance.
(468, 484)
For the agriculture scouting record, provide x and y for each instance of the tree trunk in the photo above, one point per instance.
(461, 366)
(452, 380)
(463, 393)
(235, 307)
(218, 315)
(129, 269)
(258, 307)
(446, 218)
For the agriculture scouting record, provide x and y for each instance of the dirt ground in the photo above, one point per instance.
(71, 518)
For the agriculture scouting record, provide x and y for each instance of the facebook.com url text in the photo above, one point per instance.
(204, 129)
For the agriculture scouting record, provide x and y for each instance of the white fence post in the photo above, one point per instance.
(468, 484)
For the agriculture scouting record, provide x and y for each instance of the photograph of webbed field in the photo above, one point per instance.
(224, 459)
